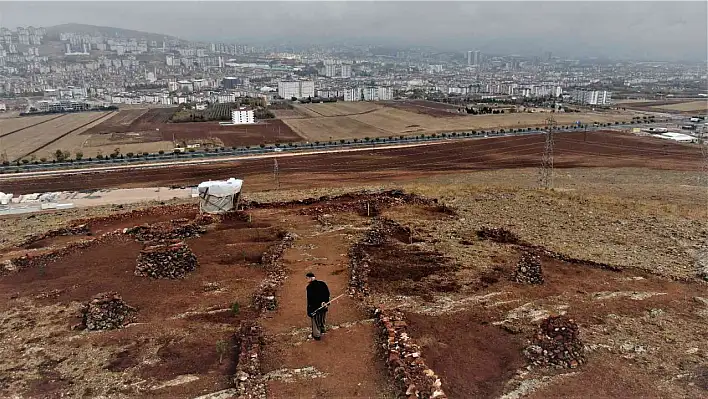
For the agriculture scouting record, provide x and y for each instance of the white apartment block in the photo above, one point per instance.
(592, 97)
(297, 89)
(330, 70)
(346, 71)
(242, 116)
(372, 93)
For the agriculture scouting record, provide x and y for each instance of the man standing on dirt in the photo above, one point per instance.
(317, 297)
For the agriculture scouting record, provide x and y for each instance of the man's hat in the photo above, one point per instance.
(310, 274)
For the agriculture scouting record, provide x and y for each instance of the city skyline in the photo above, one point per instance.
(658, 31)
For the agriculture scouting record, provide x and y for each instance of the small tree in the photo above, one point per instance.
(262, 145)
(78, 155)
(25, 161)
(43, 159)
(235, 307)
(59, 156)
(161, 152)
(129, 154)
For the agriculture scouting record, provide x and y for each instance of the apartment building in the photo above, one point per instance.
(591, 97)
(242, 116)
(297, 89)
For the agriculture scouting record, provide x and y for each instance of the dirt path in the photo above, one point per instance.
(344, 363)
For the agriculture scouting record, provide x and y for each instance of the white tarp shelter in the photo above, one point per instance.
(219, 196)
(5, 198)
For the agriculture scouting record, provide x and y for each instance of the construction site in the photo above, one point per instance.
(570, 265)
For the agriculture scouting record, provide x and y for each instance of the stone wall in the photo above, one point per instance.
(413, 378)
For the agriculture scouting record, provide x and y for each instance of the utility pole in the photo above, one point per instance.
(546, 171)
(276, 173)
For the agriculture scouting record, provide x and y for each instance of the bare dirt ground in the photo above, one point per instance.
(130, 128)
(431, 108)
(671, 106)
(32, 140)
(643, 331)
(348, 120)
(602, 149)
(10, 126)
(619, 240)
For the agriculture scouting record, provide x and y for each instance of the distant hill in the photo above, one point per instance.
(54, 31)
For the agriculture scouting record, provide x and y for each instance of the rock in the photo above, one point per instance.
(166, 261)
(557, 343)
(528, 270)
(106, 311)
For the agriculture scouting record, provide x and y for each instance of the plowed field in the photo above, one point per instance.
(600, 149)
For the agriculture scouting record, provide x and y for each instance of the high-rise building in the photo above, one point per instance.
(297, 89)
(592, 97)
(474, 57)
(346, 71)
(330, 70)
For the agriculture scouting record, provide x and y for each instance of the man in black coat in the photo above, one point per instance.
(317, 297)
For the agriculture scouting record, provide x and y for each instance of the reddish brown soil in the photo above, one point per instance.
(435, 109)
(185, 345)
(269, 131)
(348, 355)
(600, 149)
(473, 358)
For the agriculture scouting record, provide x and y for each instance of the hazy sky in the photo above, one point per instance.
(649, 30)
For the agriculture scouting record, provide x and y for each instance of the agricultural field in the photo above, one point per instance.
(132, 130)
(468, 272)
(39, 140)
(337, 109)
(431, 108)
(670, 106)
(10, 126)
(692, 106)
(374, 120)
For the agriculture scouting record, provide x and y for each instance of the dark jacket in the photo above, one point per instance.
(317, 292)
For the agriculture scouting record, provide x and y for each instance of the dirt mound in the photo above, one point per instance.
(498, 234)
(106, 311)
(74, 230)
(170, 261)
(557, 344)
(364, 203)
(528, 270)
(177, 229)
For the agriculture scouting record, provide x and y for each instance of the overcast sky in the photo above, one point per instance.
(669, 30)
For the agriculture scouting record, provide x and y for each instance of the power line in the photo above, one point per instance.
(546, 172)
(276, 172)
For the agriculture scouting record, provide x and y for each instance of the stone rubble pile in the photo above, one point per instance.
(106, 311)
(412, 376)
(168, 261)
(178, 229)
(557, 343)
(528, 270)
(265, 296)
(248, 378)
(74, 230)
(498, 234)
